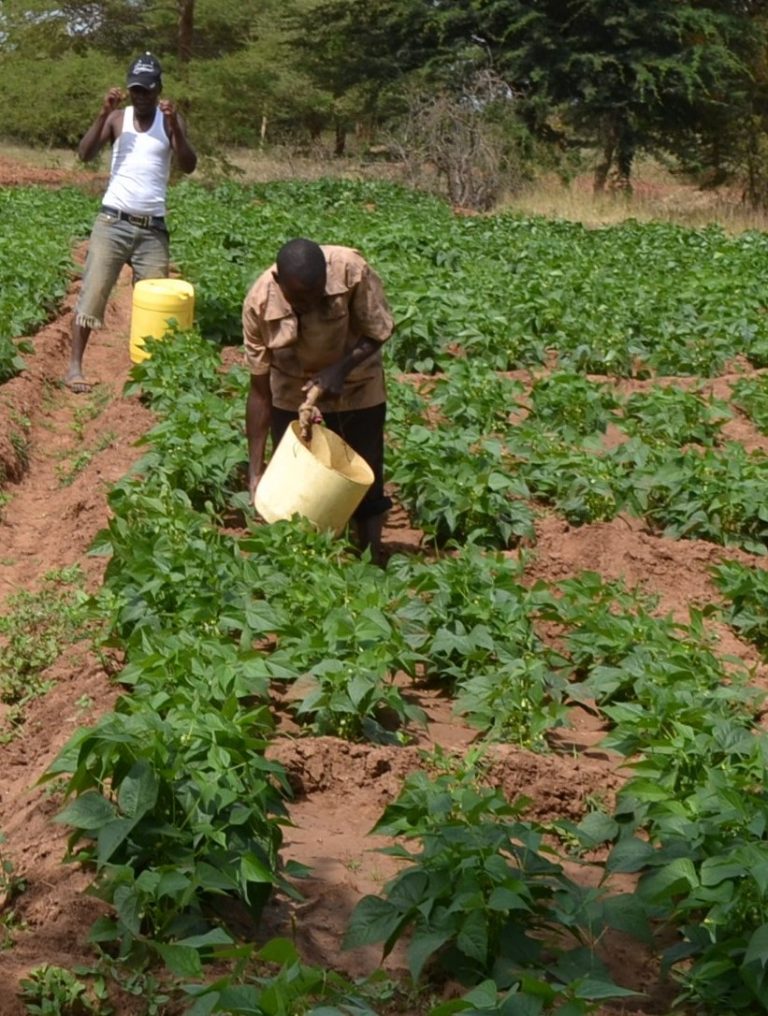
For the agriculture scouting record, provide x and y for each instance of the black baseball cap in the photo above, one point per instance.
(145, 72)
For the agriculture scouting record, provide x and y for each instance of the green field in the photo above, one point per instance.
(172, 799)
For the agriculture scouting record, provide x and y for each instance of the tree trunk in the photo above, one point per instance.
(603, 167)
(618, 149)
(756, 191)
(186, 29)
(340, 143)
(625, 154)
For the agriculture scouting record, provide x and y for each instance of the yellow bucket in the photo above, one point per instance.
(156, 303)
(323, 481)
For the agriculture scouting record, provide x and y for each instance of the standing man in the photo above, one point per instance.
(318, 317)
(130, 228)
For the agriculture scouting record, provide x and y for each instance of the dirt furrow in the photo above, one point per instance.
(66, 451)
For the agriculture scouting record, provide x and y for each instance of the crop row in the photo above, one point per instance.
(475, 455)
(633, 299)
(175, 803)
(173, 799)
(37, 228)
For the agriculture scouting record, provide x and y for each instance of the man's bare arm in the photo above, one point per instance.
(258, 415)
(102, 129)
(186, 157)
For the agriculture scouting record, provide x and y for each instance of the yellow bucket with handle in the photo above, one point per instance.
(157, 305)
(324, 480)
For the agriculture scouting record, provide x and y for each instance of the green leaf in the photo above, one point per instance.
(627, 912)
(373, 920)
(111, 836)
(216, 936)
(570, 1009)
(89, 811)
(674, 879)
(497, 481)
(484, 995)
(630, 855)
(454, 1005)
(260, 617)
(517, 1004)
(254, 870)
(423, 944)
(409, 890)
(359, 687)
(172, 883)
(204, 1005)
(180, 960)
(593, 989)
(279, 950)
(715, 870)
(104, 929)
(647, 790)
(472, 940)
(596, 827)
(128, 906)
(754, 967)
(138, 791)
(504, 900)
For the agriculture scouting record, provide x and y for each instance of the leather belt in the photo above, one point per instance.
(144, 221)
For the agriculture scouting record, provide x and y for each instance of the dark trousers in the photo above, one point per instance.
(363, 430)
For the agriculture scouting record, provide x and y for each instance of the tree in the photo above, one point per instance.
(623, 74)
(357, 49)
(207, 48)
(615, 75)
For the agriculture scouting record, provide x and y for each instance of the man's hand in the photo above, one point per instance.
(168, 108)
(112, 100)
(308, 413)
(330, 379)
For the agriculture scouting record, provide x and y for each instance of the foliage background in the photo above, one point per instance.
(685, 80)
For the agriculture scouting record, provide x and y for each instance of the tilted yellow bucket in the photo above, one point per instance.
(323, 481)
(156, 303)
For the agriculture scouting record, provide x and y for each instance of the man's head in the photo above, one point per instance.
(145, 72)
(301, 274)
(145, 79)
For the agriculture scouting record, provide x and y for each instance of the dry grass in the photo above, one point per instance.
(283, 163)
(41, 158)
(659, 196)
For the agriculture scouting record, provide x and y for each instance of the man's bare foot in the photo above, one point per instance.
(77, 383)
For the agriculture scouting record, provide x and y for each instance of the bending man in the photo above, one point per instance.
(319, 316)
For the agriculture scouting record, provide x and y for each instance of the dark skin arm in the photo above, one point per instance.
(258, 414)
(108, 124)
(258, 407)
(186, 157)
(331, 379)
(102, 129)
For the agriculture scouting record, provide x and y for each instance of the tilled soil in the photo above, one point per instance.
(340, 789)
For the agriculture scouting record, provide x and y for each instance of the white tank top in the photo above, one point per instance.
(141, 163)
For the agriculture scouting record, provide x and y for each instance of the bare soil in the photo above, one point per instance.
(14, 173)
(340, 789)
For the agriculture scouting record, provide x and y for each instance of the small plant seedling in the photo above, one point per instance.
(55, 991)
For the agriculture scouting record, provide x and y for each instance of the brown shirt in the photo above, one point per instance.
(292, 349)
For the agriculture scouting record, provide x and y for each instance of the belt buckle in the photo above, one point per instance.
(140, 220)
